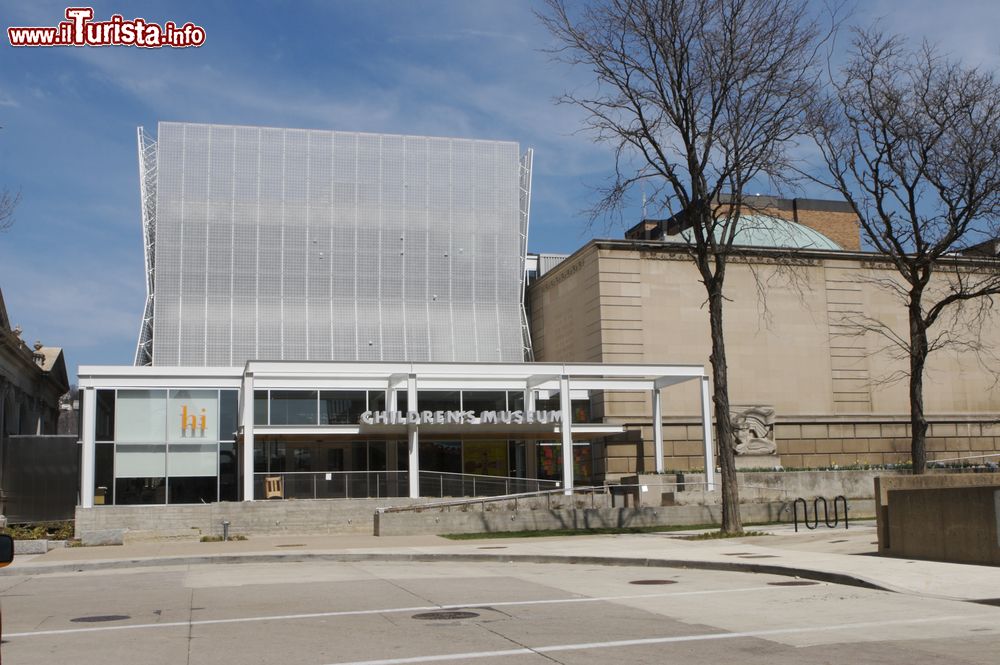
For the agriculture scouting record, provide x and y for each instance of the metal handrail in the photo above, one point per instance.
(416, 507)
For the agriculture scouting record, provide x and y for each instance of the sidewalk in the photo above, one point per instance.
(834, 555)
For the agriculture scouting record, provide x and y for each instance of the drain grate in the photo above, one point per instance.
(101, 617)
(444, 616)
(492, 547)
(760, 556)
(292, 545)
(736, 553)
(842, 540)
(653, 582)
(793, 583)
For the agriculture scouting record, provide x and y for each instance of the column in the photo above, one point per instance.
(658, 429)
(706, 434)
(566, 427)
(88, 433)
(413, 437)
(246, 418)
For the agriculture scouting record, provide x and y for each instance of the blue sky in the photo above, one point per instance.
(71, 268)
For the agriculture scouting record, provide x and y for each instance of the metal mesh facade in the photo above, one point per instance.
(282, 244)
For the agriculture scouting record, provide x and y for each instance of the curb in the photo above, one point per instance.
(730, 566)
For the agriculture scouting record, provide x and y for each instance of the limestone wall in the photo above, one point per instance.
(792, 344)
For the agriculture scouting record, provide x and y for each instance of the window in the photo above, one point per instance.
(341, 407)
(484, 400)
(293, 407)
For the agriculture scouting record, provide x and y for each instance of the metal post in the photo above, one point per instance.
(247, 400)
(658, 429)
(566, 426)
(89, 451)
(706, 434)
(413, 436)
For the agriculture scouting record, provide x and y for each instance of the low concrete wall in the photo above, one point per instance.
(885, 484)
(689, 488)
(954, 524)
(305, 516)
(440, 521)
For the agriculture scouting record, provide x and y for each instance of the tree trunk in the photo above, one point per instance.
(731, 522)
(918, 358)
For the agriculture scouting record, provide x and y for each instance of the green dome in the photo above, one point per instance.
(768, 231)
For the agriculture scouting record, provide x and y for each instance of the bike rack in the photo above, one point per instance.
(837, 502)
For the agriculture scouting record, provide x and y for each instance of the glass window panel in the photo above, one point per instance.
(401, 401)
(515, 400)
(376, 400)
(581, 410)
(341, 407)
(140, 461)
(104, 472)
(192, 490)
(485, 458)
(228, 414)
(192, 459)
(443, 456)
(140, 490)
(377, 456)
(293, 407)
(105, 425)
(484, 400)
(228, 472)
(438, 400)
(260, 407)
(193, 415)
(141, 415)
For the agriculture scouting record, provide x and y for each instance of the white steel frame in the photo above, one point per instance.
(147, 206)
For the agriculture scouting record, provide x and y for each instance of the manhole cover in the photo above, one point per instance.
(493, 547)
(793, 583)
(292, 545)
(445, 616)
(653, 582)
(101, 617)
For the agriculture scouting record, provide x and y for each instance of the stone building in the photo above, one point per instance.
(798, 293)
(32, 380)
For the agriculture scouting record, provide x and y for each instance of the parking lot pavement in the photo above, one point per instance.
(394, 612)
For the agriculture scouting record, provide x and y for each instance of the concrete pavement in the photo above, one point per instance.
(831, 555)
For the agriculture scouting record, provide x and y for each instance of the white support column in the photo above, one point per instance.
(706, 434)
(566, 427)
(88, 433)
(246, 418)
(413, 436)
(658, 428)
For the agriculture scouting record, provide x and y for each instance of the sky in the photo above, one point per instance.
(71, 268)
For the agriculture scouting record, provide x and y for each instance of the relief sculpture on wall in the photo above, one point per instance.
(753, 430)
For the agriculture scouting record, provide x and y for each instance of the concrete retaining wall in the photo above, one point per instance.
(773, 485)
(886, 484)
(306, 516)
(440, 521)
(954, 524)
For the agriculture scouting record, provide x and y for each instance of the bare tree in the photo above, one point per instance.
(8, 202)
(699, 98)
(911, 139)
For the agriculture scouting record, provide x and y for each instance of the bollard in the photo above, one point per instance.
(225, 530)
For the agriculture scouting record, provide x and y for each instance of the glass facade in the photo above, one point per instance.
(166, 446)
